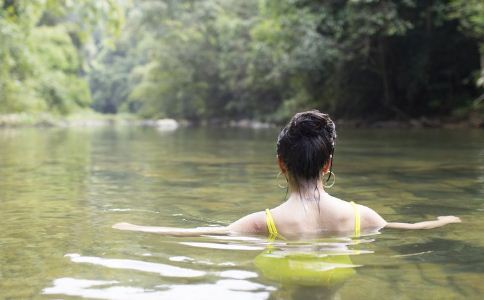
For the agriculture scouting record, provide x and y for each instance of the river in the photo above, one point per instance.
(61, 190)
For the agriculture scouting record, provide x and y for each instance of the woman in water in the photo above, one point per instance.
(305, 149)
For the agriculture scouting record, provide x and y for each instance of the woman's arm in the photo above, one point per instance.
(248, 224)
(173, 231)
(372, 220)
(441, 221)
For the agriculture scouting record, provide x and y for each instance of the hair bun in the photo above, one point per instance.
(311, 124)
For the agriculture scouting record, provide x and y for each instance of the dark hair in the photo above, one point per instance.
(306, 145)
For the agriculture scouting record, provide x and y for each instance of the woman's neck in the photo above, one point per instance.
(307, 191)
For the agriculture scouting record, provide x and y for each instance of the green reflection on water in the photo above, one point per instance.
(62, 189)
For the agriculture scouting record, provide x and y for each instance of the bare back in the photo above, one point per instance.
(295, 217)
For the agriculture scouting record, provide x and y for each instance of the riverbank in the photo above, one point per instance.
(423, 122)
(85, 119)
(93, 119)
(52, 120)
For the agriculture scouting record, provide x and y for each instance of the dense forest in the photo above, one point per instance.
(252, 59)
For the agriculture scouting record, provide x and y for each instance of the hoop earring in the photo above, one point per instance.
(334, 180)
(279, 184)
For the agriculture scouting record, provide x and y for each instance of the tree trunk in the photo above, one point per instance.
(480, 80)
(388, 100)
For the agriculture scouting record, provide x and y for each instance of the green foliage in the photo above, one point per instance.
(470, 15)
(232, 59)
(42, 54)
(55, 63)
(266, 59)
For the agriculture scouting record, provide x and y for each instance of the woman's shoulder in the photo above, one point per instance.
(370, 219)
(252, 223)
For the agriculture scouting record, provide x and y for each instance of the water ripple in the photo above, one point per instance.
(237, 274)
(222, 246)
(162, 269)
(109, 290)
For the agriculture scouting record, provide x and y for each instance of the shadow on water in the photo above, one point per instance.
(452, 255)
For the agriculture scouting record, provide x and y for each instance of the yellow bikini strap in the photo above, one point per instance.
(271, 226)
(357, 219)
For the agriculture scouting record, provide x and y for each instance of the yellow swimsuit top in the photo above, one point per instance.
(273, 233)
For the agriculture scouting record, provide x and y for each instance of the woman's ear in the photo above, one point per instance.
(282, 165)
(326, 167)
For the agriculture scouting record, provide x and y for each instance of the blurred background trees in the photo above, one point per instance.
(256, 59)
(43, 55)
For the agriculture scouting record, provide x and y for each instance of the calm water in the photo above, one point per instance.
(62, 189)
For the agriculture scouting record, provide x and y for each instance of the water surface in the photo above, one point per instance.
(62, 189)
